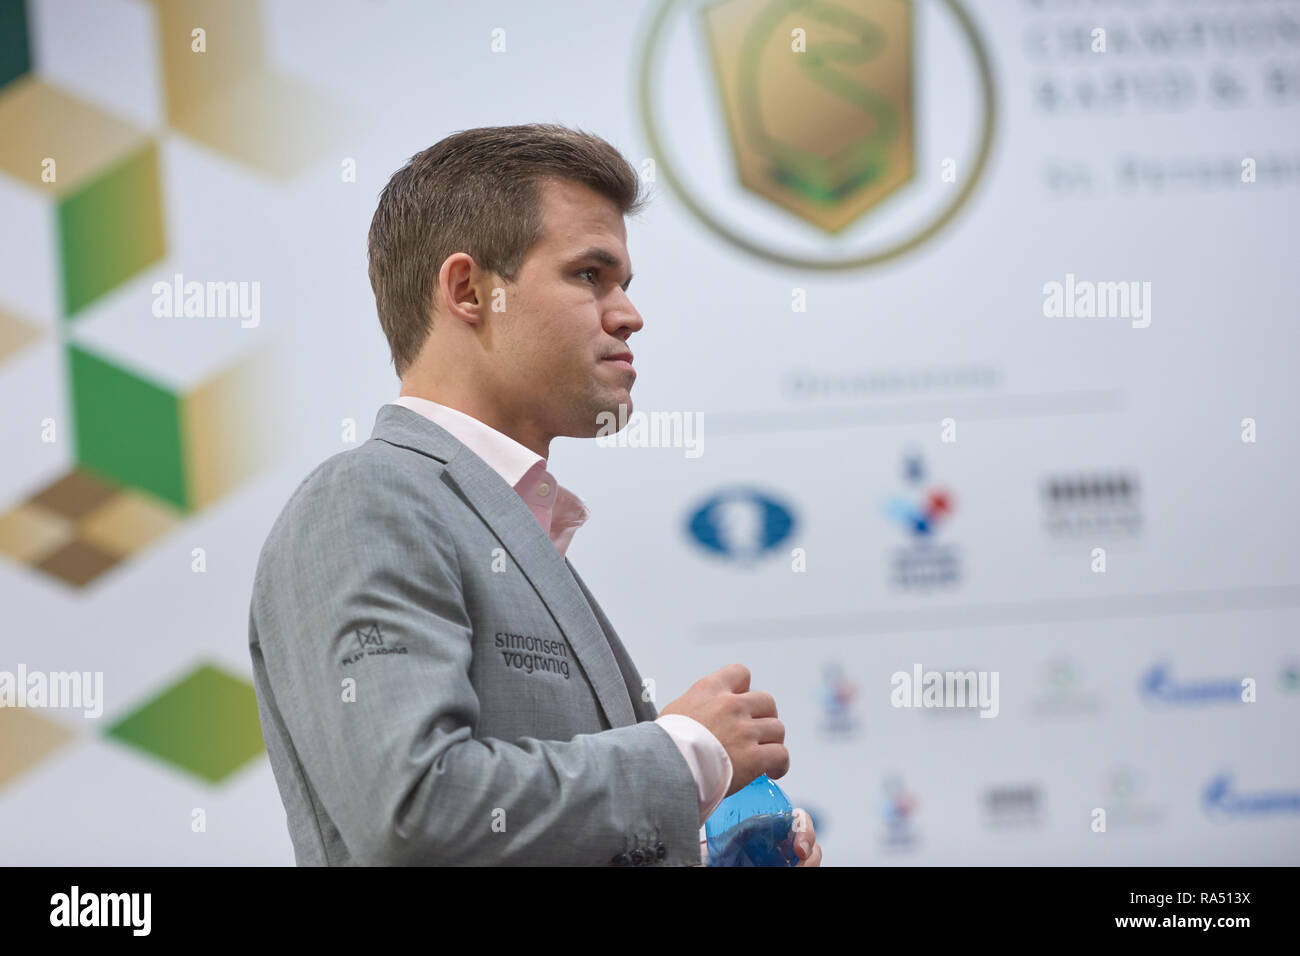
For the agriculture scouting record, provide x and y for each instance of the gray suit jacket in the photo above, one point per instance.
(437, 686)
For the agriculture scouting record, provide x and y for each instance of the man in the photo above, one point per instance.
(436, 684)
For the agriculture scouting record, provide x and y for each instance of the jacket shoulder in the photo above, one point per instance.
(360, 488)
(372, 461)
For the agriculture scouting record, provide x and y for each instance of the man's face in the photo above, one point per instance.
(566, 314)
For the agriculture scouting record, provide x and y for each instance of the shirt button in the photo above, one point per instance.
(543, 489)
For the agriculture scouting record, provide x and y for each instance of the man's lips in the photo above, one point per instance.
(622, 358)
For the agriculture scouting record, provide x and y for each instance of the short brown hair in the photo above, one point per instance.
(478, 191)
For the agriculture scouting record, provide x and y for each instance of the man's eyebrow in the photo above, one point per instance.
(604, 257)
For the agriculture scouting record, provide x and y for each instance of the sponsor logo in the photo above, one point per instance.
(1125, 805)
(898, 813)
(1013, 806)
(1220, 799)
(1159, 686)
(1064, 693)
(837, 694)
(1088, 505)
(533, 655)
(923, 563)
(741, 524)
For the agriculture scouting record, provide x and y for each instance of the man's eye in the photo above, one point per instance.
(592, 272)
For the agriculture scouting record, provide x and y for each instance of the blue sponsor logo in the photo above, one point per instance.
(741, 524)
(1219, 799)
(1158, 684)
(921, 513)
(923, 564)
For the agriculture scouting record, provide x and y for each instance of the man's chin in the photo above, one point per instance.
(609, 417)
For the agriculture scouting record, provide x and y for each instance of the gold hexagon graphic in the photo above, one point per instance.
(818, 101)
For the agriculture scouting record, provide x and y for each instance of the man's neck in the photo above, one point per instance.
(524, 432)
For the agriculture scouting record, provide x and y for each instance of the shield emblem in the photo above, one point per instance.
(818, 101)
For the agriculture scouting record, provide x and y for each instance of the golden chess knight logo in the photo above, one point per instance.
(790, 128)
(824, 129)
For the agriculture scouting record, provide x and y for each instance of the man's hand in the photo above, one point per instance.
(806, 847)
(743, 720)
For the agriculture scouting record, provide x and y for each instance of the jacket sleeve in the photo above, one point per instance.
(386, 739)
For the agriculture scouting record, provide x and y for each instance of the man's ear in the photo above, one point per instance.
(461, 284)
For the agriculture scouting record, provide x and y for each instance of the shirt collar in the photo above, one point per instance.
(558, 510)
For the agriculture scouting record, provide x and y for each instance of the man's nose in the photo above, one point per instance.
(623, 314)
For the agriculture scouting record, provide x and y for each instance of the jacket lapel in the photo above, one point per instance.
(645, 710)
(504, 512)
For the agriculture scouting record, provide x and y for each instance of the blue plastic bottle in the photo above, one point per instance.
(752, 827)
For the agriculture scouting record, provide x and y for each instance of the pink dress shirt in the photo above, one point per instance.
(561, 513)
